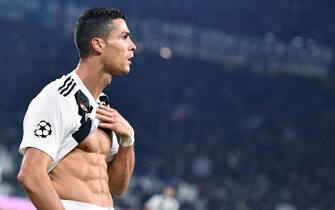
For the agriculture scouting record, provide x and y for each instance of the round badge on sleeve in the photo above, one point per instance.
(43, 129)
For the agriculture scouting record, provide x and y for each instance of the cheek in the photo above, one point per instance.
(116, 56)
(117, 53)
(119, 60)
(120, 56)
(116, 62)
(112, 56)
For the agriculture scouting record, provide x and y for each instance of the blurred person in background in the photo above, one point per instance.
(78, 151)
(165, 201)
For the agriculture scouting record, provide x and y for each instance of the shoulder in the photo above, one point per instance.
(53, 99)
(55, 92)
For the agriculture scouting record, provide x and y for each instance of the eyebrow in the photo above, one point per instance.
(125, 33)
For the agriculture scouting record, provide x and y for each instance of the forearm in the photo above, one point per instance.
(121, 169)
(40, 190)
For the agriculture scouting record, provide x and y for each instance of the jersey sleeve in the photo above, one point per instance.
(43, 125)
(114, 149)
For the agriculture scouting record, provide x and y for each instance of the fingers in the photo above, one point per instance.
(105, 118)
(106, 108)
(119, 128)
(111, 119)
(106, 121)
(108, 115)
(103, 110)
(107, 125)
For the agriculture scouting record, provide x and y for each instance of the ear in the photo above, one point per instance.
(98, 45)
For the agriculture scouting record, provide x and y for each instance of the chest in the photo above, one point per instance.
(98, 141)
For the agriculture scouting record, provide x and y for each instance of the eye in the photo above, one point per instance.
(125, 36)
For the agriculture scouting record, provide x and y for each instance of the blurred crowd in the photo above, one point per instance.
(223, 138)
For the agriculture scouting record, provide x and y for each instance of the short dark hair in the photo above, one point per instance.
(92, 23)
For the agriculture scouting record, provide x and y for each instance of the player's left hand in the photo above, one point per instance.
(113, 120)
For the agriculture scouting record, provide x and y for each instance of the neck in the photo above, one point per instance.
(93, 75)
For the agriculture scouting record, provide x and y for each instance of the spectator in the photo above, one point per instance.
(165, 201)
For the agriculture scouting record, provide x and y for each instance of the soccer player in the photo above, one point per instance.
(78, 151)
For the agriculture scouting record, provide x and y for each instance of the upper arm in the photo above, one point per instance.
(35, 159)
(43, 125)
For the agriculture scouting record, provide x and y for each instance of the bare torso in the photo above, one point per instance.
(82, 174)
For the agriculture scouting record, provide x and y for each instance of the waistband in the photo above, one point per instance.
(77, 205)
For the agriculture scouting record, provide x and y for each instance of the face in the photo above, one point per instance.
(169, 192)
(119, 49)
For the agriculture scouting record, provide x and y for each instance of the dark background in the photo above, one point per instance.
(227, 135)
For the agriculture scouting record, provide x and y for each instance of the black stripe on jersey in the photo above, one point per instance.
(85, 121)
(83, 130)
(61, 87)
(67, 87)
(69, 91)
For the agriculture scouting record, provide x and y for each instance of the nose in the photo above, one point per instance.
(132, 45)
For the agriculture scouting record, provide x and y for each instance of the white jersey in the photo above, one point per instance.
(60, 117)
(160, 202)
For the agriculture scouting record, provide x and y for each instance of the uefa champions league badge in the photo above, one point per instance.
(43, 129)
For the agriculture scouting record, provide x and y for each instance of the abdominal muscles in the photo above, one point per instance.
(82, 174)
